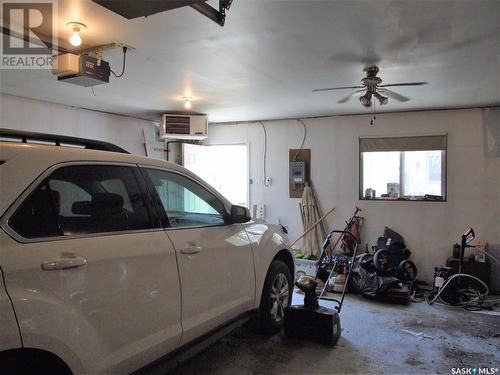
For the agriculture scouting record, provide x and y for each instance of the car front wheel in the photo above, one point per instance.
(276, 295)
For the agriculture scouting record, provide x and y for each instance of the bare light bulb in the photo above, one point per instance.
(75, 39)
(187, 103)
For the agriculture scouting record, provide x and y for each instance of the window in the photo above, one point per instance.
(403, 168)
(225, 167)
(186, 203)
(81, 200)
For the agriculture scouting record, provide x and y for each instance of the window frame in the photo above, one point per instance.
(161, 209)
(444, 172)
(154, 220)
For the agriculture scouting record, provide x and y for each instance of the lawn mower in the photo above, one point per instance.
(311, 320)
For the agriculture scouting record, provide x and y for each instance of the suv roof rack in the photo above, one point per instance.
(90, 144)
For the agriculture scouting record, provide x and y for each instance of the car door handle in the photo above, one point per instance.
(64, 263)
(191, 249)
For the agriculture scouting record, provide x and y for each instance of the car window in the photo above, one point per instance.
(69, 193)
(186, 203)
(83, 199)
(117, 186)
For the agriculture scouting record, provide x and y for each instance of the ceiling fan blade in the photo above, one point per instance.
(338, 88)
(404, 84)
(346, 98)
(394, 95)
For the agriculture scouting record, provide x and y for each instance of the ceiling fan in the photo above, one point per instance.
(371, 85)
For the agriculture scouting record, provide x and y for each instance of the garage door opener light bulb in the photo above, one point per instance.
(75, 38)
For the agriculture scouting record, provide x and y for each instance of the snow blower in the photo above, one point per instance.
(311, 320)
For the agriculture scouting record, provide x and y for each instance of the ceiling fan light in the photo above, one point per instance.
(187, 102)
(365, 100)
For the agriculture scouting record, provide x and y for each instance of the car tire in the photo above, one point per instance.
(276, 295)
(31, 362)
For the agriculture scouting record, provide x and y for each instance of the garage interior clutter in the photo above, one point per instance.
(367, 131)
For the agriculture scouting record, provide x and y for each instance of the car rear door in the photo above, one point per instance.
(91, 273)
(215, 258)
(9, 333)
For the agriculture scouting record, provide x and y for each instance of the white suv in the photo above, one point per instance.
(110, 261)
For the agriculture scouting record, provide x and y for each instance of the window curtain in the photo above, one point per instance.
(418, 143)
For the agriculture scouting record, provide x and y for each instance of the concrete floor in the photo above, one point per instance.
(373, 341)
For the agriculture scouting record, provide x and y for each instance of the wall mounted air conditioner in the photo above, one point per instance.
(194, 127)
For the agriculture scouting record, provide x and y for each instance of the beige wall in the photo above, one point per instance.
(429, 228)
(45, 117)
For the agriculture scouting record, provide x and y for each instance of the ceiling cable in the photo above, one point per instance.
(303, 140)
(123, 66)
(265, 152)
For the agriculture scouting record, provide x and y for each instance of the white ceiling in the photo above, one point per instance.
(264, 63)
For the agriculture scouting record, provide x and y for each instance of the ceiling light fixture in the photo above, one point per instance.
(366, 100)
(75, 38)
(187, 102)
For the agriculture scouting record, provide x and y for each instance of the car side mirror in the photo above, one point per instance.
(240, 214)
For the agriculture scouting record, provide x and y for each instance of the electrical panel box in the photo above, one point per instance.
(299, 162)
(297, 174)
